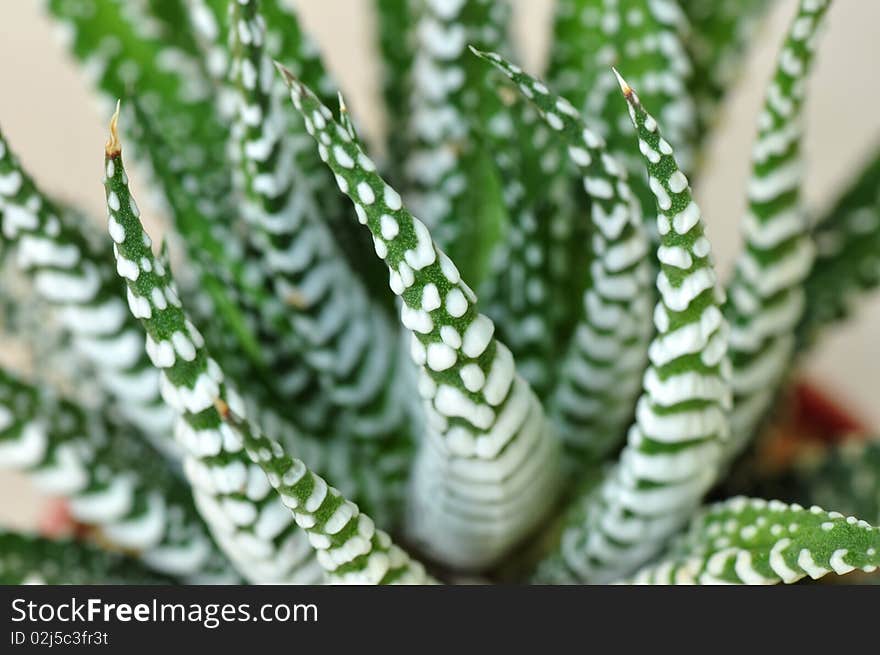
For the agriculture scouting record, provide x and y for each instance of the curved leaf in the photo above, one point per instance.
(486, 471)
(76, 278)
(227, 460)
(600, 374)
(673, 449)
(847, 255)
(754, 541)
(642, 38)
(110, 479)
(450, 104)
(766, 294)
(345, 341)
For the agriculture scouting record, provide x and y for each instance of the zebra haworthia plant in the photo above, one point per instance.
(570, 425)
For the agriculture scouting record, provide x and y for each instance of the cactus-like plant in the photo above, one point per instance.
(567, 426)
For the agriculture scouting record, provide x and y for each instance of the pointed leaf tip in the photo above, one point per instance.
(624, 86)
(342, 106)
(113, 145)
(289, 78)
(222, 408)
(492, 57)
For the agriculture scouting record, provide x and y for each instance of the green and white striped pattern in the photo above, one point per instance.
(233, 495)
(847, 254)
(31, 327)
(276, 203)
(289, 43)
(129, 44)
(230, 289)
(233, 484)
(642, 38)
(278, 183)
(344, 339)
(110, 479)
(450, 98)
(537, 270)
(139, 47)
(77, 278)
(210, 22)
(601, 373)
(486, 473)
(755, 541)
(31, 559)
(717, 41)
(673, 449)
(348, 545)
(767, 291)
(285, 41)
(244, 316)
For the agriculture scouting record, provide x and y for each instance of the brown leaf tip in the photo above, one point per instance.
(624, 86)
(222, 408)
(297, 299)
(289, 77)
(113, 146)
(343, 108)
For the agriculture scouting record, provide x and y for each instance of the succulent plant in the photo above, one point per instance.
(572, 424)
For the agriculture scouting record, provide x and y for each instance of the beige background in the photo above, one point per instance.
(52, 120)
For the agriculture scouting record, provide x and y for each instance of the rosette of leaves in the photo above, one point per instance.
(324, 397)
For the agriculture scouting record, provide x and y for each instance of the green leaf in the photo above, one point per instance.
(211, 244)
(847, 262)
(348, 545)
(173, 16)
(345, 341)
(600, 374)
(643, 39)
(486, 471)
(126, 45)
(754, 541)
(287, 42)
(673, 449)
(234, 502)
(76, 278)
(451, 101)
(227, 460)
(717, 41)
(396, 37)
(110, 479)
(766, 294)
(846, 476)
(243, 314)
(538, 269)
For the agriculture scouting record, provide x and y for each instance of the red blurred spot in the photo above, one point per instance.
(817, 412)
(56, 521)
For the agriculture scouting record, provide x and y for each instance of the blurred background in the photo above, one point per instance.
(55, 124)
